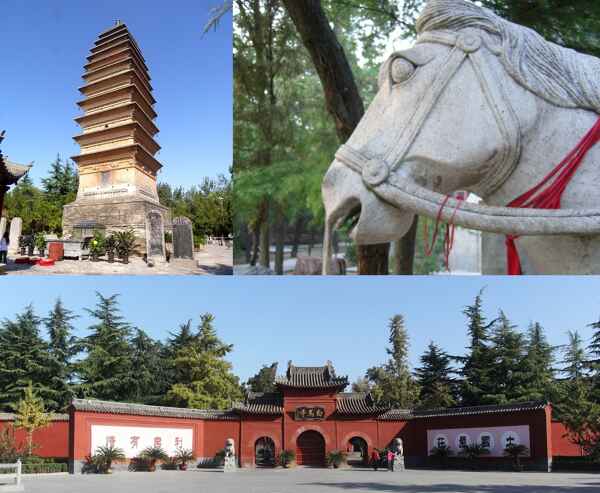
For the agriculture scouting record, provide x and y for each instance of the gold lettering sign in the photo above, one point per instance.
(309, 414)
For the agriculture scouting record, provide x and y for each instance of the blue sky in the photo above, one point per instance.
(44, 46)
(310, 320)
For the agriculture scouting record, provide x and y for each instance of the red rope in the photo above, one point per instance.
(449, 234)
(546, 195)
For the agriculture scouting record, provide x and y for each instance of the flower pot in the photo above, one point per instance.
(30, 250)
(111, 257)
(42, 252)
(125, 259)
(23, 251)
(183, 467)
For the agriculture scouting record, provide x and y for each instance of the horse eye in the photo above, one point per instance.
(401, 70)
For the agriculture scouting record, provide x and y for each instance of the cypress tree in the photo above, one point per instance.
(105, 372)
(537, 373)
(25, 359)
(434, 379)
(593, 363)
(393, 383)
(506, 374)
(62, 350)
(203, 378)
(148, 369)
(477, 364)
(264, 380)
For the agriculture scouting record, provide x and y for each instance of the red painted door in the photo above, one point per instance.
(311, 449)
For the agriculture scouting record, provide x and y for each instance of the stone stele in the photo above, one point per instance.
(183, 238)
(481, 105)
(2, 226)
(16, 227)
(116, 163)
(155, 237)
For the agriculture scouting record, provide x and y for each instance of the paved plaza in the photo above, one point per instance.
(317, 480)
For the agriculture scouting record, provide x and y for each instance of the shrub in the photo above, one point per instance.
(43, 468)
(97, 244)
(141, 464)
(287, 457)
(441, 454)
(516, 452)
(110, 245)
(10, 451)
(336, 458)
(170, 464)
(154, 454)
(105, 456)
(125, 243)
(40, 242)
(473, 451)
(184, 456)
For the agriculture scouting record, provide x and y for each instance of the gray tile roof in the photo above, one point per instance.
(11, 172)
(53, 417)
(97, 406)
(261, 403)
(356, 403)
(403, 414)
(311, 377)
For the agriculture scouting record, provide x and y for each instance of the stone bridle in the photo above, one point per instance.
(377, 172)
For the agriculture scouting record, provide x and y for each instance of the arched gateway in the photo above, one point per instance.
(310, 449)
(264, 452)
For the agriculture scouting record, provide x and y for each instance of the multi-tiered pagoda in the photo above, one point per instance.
(117, 164)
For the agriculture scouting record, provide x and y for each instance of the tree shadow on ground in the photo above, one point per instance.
(453, 488)
(217, 269)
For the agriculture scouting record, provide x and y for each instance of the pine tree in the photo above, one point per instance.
(594, 360)
(147, 369)
(506, 374)
(25, 358)
(62, 350)
(477, 364)
(393, 383)
(105, 372)
(264, 380)
(203, 378)
(434, 379)
(31, 415)
(538, 375)
(575, 357)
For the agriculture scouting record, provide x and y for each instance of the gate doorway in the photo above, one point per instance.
(310, 449)
(264, 452)
(357, 451)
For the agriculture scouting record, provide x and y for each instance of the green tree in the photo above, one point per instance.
(505, 373)
(264, 380)
(434, 378)
(593, 362)
(538, 380)
(148, 369)
(203, 378)
(25, 358)
(31, 415)
(393, 383)
(477, 364)
(62, 348)
(105, 372)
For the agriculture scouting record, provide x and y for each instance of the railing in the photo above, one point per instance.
(16, 476)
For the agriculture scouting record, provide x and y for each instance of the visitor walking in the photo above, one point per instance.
(4, 249)
(375, 458)
(390, 460)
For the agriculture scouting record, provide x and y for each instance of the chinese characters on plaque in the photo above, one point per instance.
(309, 414)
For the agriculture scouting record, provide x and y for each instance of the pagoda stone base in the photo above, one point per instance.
(115, 215)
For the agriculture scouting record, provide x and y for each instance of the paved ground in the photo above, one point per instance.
(212, 259)
(317, 481)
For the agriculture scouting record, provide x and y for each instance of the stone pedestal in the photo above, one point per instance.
(229, 465)
(399, 463)
(116, 215)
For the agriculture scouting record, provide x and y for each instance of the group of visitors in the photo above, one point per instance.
(378, 461)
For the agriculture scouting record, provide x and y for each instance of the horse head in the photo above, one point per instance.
(450, 115)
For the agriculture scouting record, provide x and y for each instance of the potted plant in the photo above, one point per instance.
(110, 245)
(472, 452)
(22, 245)
(441, 454)
(336, 458)
(105, 456)
(30, 239)
(287, 458)
(154, 454)
(40, 243)
(125, 244)
(97, 246)
(516, 452)
(184, 456)
(171, 464)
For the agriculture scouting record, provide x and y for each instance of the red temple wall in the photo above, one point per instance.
(255, 427)
(51, 441)
(216, 432)
(561, 444)
(81, 428)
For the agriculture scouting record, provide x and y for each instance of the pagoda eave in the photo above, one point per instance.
(129, 150)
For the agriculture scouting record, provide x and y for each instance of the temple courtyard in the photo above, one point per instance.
(317, 480)
(211, 259)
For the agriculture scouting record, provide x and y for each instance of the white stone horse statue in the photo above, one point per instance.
(482, 105)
